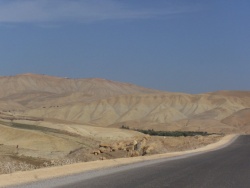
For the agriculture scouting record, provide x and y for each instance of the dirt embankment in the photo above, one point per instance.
(45, 173)
(148, 145)
(17, 159)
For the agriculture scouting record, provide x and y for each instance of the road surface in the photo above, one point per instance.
(225, 168)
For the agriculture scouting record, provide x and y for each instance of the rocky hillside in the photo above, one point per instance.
(29, 91)
(99, 102)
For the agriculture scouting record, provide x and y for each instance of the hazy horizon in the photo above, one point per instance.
(185, 46)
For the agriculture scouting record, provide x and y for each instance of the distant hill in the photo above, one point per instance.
(31, 90)
(32, 83)
(105, 103)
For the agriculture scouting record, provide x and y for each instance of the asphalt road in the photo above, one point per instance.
(225, 168)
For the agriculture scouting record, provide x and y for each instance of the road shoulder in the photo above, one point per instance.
(53, 172)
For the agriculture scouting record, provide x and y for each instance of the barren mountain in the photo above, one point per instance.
(47, 120)
(27, 87)
(104, 103)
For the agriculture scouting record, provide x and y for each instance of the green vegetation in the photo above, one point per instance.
(152, 132)
(172, 133)
(125, 127)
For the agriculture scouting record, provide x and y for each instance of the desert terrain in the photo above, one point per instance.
(51, 121)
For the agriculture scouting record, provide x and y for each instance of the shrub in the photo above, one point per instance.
(152, 132)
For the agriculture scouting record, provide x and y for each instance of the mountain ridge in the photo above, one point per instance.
(105, 103)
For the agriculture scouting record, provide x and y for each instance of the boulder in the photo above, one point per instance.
(139, 146)
(147, 150)
(133, 153)
(105, 145)
(103, 149)
(121, 146)
(135, 142)
(96, 152)
(114, 147)
(130, 148)
(102, 158)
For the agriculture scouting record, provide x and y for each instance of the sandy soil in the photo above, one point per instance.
(46, 173)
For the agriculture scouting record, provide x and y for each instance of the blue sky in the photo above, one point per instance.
(181, 46)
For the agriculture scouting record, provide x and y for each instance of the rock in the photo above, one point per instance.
(139, 146)
(105, 145)
(96, 152)
(130, 148)
(129, 144)
(121, 146)
(102, 158)
(52, 162)
(146, 137)
(114, 148)
(103, 149)
(135, 142)
(134, 153)
(147, 150)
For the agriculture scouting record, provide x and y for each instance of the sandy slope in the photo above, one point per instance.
(33, 140)
(99, 133)
(59, 140)
(240, 119)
